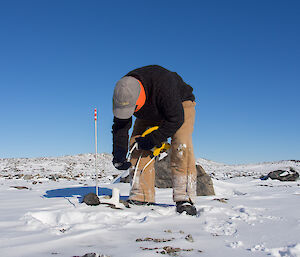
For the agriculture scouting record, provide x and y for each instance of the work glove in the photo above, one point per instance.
(145, 143)
(119, 161)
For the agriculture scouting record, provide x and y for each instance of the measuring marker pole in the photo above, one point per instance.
(96, 143)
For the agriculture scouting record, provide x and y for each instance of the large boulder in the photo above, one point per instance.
(204, 182)
(163, 177)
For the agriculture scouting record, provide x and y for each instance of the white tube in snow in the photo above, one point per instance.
(115, 198)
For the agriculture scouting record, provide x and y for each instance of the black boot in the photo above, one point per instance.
(186, 206)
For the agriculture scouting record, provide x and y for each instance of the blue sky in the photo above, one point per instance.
(60, 59)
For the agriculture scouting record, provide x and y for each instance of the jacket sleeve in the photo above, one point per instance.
(120, 130)
(170, 106)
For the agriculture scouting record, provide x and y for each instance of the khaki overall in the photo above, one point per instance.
(184, 174)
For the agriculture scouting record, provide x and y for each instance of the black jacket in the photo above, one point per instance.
(165, 92)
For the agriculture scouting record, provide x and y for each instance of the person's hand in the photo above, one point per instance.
(145, 143)
(119, 161)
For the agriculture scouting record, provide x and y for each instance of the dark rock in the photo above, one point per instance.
(283, 175)
(53, 177)
(189, 238)
(221, 200)
(163, 175)
(94, 255)
(91, 199)
(204, 182)
(19, 187)
(18, 176)
(90, 255)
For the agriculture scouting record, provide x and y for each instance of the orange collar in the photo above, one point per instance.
(142, 98)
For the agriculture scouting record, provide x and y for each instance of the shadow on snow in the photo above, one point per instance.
(80, 192)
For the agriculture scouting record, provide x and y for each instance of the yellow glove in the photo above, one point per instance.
(157, 150)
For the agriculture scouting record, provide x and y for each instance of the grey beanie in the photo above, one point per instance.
(126, 94)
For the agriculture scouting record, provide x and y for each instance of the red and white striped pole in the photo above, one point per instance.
(96, 150)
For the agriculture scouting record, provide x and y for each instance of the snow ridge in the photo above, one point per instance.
(83, 166)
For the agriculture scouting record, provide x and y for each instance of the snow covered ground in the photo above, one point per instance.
(41, 214)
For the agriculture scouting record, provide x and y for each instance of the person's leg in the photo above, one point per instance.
(183, 167)
(143, 189)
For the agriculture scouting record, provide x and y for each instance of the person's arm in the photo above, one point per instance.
(120, 130)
